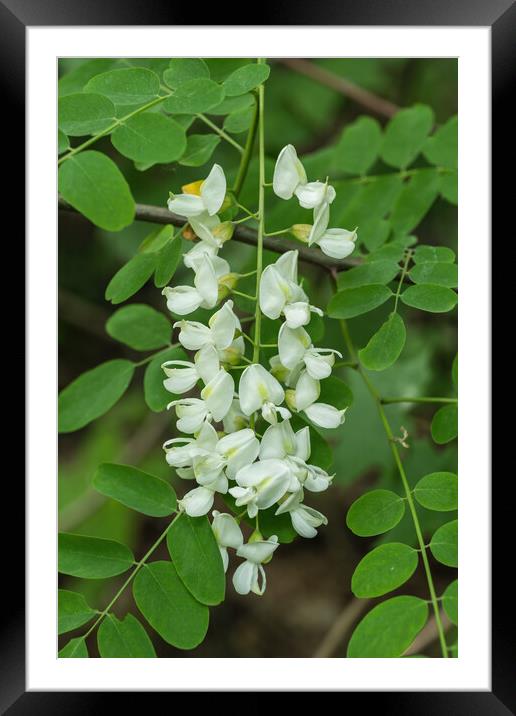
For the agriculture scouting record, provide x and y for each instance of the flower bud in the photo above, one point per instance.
(255, 537)
(223, 231)
(290, 398)
(301, 232)
(226, 283)
(188, 233)
(193, 188)
(227, 203)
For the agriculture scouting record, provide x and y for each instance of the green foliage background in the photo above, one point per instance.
(309, 582)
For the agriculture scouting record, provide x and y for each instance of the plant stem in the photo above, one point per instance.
(111, 127)
(261, 221)
(402, 278)
(424, 399)
(220, 132)
(157, 353)
(133, 574)
(406, 486)
(248, 151)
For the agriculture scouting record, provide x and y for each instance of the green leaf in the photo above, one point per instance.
(150, 138)
(389, 628)
(239, 121)
(445, 424)
(441, 149)
(93, 393)
(184, 69)
(169, 607)
(140, 327)
(385, 568)
(131, 86)
(393, 251)
(440, 274)
(438, 491)
(72, 611)
(335, 392)
(157, 239)
(196, 557)
(379, 272)
(430, 297)
(136, 489)
(352, 302)
(451, 602)
(124, 639)
(415, 200)
(156, 396)
(359, 146)
(385, 346)
(424, 254)
(75, 80)
(80, 114)
(62, 142)
(93, 184)
(443, 544)
(373, 200)
(233, 104)
(75, 649)
(194, 96)
(375, 512)
(199, 148)
(449, 187)
(406, 134)
(374, 233)
(245, 79)
(92, 557)
(168, 260)
(131, 277)
(455, 372)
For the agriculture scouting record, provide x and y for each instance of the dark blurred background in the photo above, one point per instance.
(308, 609)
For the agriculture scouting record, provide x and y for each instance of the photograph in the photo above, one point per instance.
(258, 357)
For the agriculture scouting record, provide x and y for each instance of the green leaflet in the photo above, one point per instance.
(441, 148)
(127, 86)
(437, 273)
(92, 557)
(430, 297)
(375, 512)
(378, 272)
(197, 559)
(415, 200)
(433, 254)
(184, 69)
(140, 327)
(199, 148)
(124, 639)
(405, 135)
(443, 544)
(72, 611)
(194, 96)
(389, 628)
(359, 146)
(169, 607)
(451, 602)
(438, 491)
(245, 79)
(136, 489)
(167, 262)
(75, 649)
(385, 346)
(150, 138)
(131, 277)
(445, 424)
(81, 114)
(93, 393)
(351, 302)
(385, 568)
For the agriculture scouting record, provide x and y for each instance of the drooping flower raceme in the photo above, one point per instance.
(235, 413)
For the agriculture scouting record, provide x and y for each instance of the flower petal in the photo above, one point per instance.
(288, 173)
(197, 502)
(324, 415)
(182, 300)
(186, 205)
(244, 577)
(213, 189)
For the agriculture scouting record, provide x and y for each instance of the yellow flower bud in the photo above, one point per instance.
(301, 232)
(223, 231)
(193, 188)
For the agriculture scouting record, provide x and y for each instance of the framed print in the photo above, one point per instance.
(245, 451)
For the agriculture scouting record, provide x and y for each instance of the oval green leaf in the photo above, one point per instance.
(245, 79)
(75, 649)
(389, 628)
(140, 327)
(80, 114)
(127, 86)
(359, 146)
(372, 272)
(375, 512)
(406, 134)
(150, 138)
(169, 607)
(445, 424)
(199, 148)
(72, 611)
(194, 96)
(352, 302)
(430, 297)
(62, 142)
(444, 544)
(438, 273)
(451, 602)
(136, 489)
(184, 69)
(156, 396)
(415, 201)
(335, 392)
(385, 345)
(385, 568)
(124, 639)
(441, 148)
(438, 491)
(196, 557)
(168, 260)
(93, 393)
(424, 254)
(93, 184)
(131, 277)
(92, 557)
(238, 122)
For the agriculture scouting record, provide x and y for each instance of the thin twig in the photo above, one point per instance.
(370, 101)
(428, 634)
(338, 630)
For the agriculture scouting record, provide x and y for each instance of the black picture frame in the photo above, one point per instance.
(500, 15)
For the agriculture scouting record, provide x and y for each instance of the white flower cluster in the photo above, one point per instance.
(258, 471)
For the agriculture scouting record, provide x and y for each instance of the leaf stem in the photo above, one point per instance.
(422, 399)
(247, 154)
(402, 278)
(220, 132)
(157, 353)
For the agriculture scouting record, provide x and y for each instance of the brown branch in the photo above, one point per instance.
(161, 215)
(338, 630)
(367, 99)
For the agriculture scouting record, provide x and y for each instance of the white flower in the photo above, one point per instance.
(207, 196)
(290, 178)
(295, 346)
(199, 501)
(215, 401)
(205, 291)
(235, 419)
(227, 532)
(337, 243)
(258, 389)
(220, 330)
(280, 293)
(238, 450)
(260, 485)
(324, 415)
(247, 576)
(306, 392)
(182, 375)
(201, 248)
(180, 452)
(305, 519)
